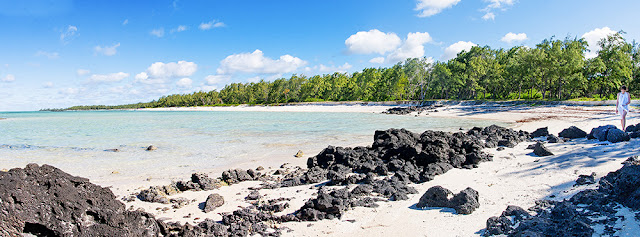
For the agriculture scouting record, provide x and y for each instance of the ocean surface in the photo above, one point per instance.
(77, 142)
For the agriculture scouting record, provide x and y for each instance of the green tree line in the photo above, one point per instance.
(554, 70)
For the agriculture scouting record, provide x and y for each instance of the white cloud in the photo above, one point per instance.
(184, 82)
(47, 84)
(8, 78)
(157, 32)
(49, 55)
(489, 16)
(180, 28)
(377, 60)
(172, 69)
(256, 62)
(68, 34)
(211, 25)
(512, 37)
(411, 48)
(453, 50)
(592, 38)
(125, 22)
(331, 68)
(82, 72)
(159, 73)
(429, 8)
(107, 78)
(69, 91)
(107, 50)
(493, 5)
(216, 79)
(373, 41)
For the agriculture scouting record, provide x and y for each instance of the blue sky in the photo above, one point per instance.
(64, 53)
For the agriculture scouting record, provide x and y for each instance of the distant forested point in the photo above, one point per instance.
(554, 70)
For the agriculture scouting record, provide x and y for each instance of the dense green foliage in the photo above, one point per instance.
(553, 70)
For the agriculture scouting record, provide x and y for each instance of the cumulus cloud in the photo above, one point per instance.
(184, 82)
(411, 48)
(373, 41)
(513, 37)
(593, 37)
(493, 5)
(68, 34)
(160, 73)
(49, 55)
(107, 50)
(180, 28)
(8, 78)
(157, 32)
(216, 79)
(47, 84)
(82, 72)
(211, 25)
(429, 8)
(107, 78)
(69, 91)
(331, 68)
(256, 62)
(377, 60)
(453, 50)
(489, 16)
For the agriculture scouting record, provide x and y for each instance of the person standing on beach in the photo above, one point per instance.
(622, 105)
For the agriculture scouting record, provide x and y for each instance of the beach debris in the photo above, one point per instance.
(572, 132)
(616, 135)
(253, 195)
(260, 168)
(213, 201)
(554, 139)
(30, 195)
(115, 172)
(299, 154)
(541, 150)
(540, 132)
(179, 202)
(586, 179)
(152, 148)
(113, 150)
(464, 202)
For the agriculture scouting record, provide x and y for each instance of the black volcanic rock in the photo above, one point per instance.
(572, 132)
(45, 201)
(540, 132)
(540, 150)
(464, 202)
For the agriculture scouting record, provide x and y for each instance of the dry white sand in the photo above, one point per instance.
(515, 177)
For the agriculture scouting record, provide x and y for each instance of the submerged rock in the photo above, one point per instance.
(152, 148)
(572, 132)
(540, 150)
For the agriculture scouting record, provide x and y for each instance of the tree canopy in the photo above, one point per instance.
(554, 70)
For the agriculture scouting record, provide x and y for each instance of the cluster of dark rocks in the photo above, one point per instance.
(464, 202)
(404, 110)
(575, 216)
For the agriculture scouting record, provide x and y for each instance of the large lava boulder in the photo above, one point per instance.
(45, 201)
(572, 132)
(540, 132)
(540, 150)
(617, 135)
(464, 202)
(600, 132)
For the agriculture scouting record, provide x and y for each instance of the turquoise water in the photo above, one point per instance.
(187, 141)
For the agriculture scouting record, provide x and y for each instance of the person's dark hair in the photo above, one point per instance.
(623, 88)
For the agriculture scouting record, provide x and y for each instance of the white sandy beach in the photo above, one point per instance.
(515, 177)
